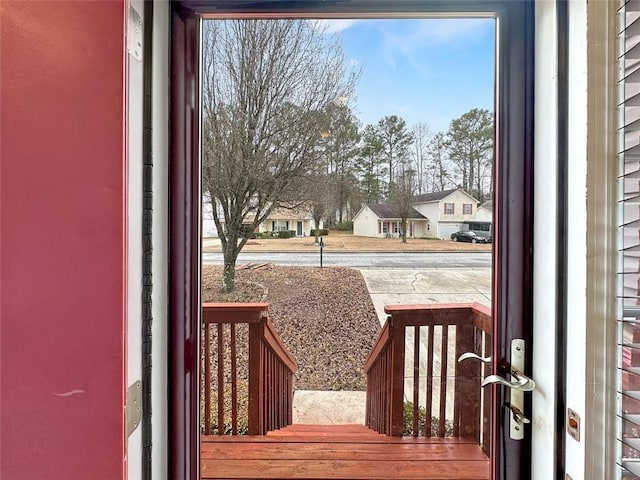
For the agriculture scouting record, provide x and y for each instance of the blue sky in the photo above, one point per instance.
(424, 70)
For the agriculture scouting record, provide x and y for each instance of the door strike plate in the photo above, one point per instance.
(133, 411)
(573, 424)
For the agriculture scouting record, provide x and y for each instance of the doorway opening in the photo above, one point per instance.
(356, 122)
(413, 227)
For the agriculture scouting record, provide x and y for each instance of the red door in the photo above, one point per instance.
(512, 272)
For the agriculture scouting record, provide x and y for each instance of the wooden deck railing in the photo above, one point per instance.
(443, 397)
(270, 368)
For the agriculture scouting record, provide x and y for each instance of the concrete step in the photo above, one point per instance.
(329, 407)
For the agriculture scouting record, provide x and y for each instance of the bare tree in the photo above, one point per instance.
(401, 195)
(340, 147)
(265, 86)
(438, 163)
(421, 137)
(319, 198)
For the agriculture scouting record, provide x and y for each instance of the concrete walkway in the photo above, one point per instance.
(426, 285)
(313, 407)
(394, 286)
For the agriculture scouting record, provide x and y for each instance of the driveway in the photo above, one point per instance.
(427, 285)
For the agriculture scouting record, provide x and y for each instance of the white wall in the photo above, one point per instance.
(442, 226)
(577, 230)
(365, 224)
(484, 215)
(431, 211)
(458, 199)
(544, 264)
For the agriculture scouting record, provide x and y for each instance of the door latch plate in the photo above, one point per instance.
(516, 427)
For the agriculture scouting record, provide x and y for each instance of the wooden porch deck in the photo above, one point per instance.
(340, 452)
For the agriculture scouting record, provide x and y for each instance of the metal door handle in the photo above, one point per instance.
(522, 383)
(475, 356)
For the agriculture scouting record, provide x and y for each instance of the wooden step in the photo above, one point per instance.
(347, 427)
(340, 452)
(347, 430)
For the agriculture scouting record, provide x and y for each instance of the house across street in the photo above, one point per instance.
(433, 215)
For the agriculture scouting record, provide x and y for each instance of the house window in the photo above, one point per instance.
(448, 209)
(467, 209)
(428, 226)
(385, 227)
(396, 227)
(280, 225)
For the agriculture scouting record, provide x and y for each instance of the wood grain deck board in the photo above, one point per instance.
(346, 469)
(340, 452)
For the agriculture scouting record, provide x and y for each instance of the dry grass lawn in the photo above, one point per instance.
(346, 241)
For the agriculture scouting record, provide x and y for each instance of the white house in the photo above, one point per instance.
(450, 211)
(382, 220)
(485, 212)
(436, 215)
(299, 220)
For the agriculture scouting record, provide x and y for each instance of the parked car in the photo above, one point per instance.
(471, 236)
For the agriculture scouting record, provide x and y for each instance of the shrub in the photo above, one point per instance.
(344, 226)
(323, 232)
(407, 422)
(286, 233)
(260, 235)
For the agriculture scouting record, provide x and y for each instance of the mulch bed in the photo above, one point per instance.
(324, 316)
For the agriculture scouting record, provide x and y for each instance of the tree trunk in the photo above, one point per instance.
(317, 229)
(404, 230)
(230, 257)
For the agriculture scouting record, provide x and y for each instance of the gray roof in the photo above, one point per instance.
(384, 210)
(432, 197)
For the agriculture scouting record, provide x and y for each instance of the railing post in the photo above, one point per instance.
(256, 378)
(396, 405)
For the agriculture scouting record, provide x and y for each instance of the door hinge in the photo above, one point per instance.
(134, 34)
(133, 410)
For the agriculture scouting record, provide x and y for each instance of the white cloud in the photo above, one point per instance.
(335, 26)
(416, 36)
(450, 30)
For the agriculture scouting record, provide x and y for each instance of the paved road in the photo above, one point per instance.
(363, 260)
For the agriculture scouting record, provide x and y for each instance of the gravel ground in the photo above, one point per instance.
(324, 316)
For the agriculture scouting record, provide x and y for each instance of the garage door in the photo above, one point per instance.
(446, 229)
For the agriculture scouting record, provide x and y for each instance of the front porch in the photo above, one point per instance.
(426, 415)
(340, 452)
